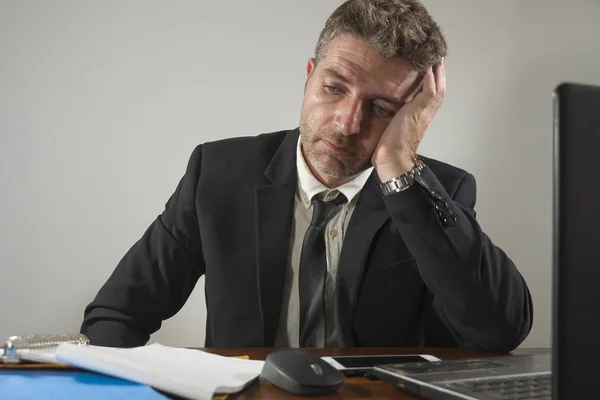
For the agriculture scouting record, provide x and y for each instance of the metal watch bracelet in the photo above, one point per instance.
(402, 182)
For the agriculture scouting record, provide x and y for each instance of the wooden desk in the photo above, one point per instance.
(353, 387)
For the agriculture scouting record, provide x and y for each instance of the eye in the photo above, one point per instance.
(333, 89)
(382, 111)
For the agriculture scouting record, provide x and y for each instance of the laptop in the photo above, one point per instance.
(572, 370)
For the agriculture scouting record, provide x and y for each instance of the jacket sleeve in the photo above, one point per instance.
(155, 277)
(478, 292)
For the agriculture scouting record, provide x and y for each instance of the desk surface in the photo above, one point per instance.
(353, 387)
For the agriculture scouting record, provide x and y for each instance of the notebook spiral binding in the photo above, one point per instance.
(17, 346)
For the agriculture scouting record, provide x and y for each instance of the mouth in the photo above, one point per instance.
(337, 149)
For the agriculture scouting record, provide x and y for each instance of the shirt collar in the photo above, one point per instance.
(309, 186)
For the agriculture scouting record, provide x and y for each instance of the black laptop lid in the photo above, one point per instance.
(576, 279)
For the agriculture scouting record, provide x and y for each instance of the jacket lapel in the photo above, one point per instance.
(274, 215)
(368, 217)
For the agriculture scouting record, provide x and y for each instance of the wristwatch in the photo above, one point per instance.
(404, 181)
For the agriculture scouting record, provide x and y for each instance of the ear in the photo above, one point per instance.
(310, 67)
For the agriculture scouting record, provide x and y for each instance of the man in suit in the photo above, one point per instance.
(336, 233)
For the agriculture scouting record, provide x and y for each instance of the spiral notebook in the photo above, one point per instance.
(37, 348)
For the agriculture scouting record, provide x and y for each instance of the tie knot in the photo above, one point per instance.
(326, 208)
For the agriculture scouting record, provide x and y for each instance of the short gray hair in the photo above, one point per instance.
(401, 28)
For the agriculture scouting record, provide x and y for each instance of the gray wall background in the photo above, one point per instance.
(102, 102)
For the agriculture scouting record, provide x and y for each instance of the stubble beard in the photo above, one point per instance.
(329, 162)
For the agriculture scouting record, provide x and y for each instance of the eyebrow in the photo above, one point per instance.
(335, 74)
(391, 101)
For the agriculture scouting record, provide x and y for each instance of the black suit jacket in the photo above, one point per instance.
(415, 268)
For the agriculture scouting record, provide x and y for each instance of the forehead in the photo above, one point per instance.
(362, 64)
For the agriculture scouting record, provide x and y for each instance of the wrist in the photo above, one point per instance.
(394, 168)
(402, 181)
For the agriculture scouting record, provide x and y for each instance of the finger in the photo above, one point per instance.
(429, 83)
(427, 93)
(440, 77)
(418, 88)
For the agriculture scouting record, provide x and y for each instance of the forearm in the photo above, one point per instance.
(478, 292)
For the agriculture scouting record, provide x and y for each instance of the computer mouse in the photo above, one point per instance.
(301, 372)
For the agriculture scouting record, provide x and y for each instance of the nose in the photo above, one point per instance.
(349, 116)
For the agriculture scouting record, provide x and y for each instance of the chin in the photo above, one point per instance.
(334, 169)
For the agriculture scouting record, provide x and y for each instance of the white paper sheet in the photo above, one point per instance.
(188, 373)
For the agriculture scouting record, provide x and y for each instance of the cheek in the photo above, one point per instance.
(316, 112)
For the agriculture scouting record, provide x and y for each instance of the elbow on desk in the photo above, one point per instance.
(113, 334)
(503, 340)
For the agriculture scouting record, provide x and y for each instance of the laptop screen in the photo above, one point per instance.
(576, 333)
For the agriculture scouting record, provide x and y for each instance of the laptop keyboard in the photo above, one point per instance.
(515, 387)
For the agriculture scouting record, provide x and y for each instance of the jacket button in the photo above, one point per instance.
(445, 214)
(449, 221)
(441, 205)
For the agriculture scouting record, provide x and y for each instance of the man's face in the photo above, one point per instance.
(349, 99)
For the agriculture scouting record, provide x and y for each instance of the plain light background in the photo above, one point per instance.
(102, 102)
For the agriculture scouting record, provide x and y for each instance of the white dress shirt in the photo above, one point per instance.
(288, 332)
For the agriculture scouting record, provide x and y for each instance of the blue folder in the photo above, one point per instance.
(53, 384)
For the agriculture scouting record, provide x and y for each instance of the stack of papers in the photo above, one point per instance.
(192, 374)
